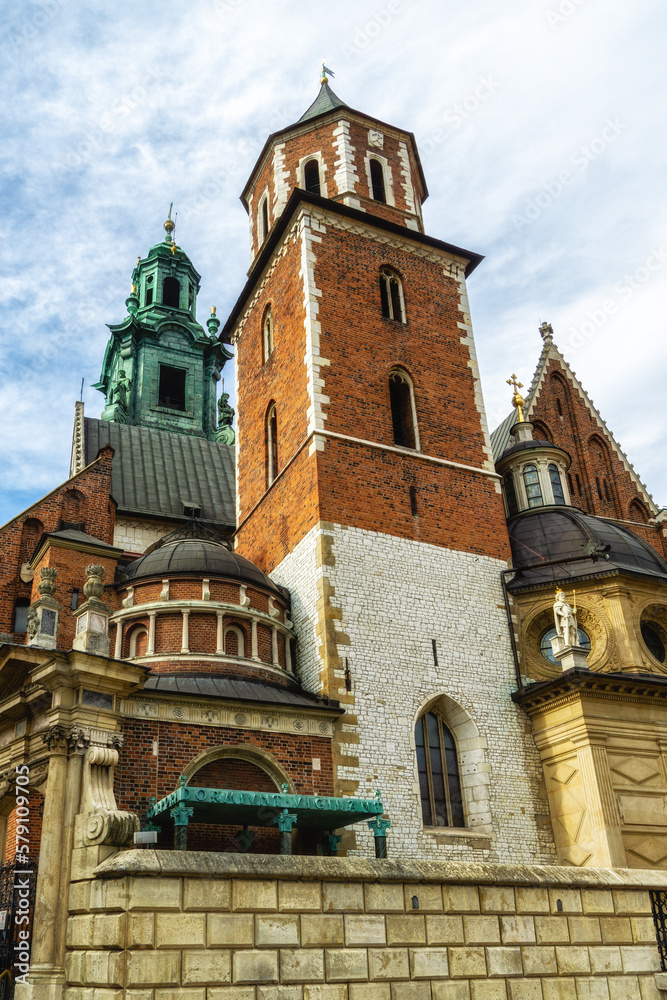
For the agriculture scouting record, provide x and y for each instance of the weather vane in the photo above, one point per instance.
(517, 399)
(325, 73)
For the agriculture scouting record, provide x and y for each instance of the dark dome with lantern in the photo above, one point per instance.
(545, 534)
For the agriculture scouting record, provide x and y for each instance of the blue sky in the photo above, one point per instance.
(542, 133)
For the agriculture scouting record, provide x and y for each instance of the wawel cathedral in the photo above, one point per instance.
(344, 623)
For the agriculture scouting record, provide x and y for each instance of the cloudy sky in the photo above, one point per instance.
(542, 132)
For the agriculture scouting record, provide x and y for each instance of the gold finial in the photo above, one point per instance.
(138, 260)
(170, 225)
(517, 400)
(174, 248)
(212, 310)
(134, 290)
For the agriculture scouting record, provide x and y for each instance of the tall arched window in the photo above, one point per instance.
(171, 292)
(311, 176)
(403, 411)
(531, 481)
(638, 512)
(556, 485)
(271, 444)
(377, 180)
(72, 510)
(391, 295)
(510, 494)
(149, 290)
(438, 767)
(264, 218)
(267, 334)
(138, 641)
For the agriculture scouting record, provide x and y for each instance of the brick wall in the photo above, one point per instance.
(18, 538)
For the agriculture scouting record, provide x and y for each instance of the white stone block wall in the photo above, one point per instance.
(135, 535)
(396, 596)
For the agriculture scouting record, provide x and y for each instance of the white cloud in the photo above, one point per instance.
(117, 110)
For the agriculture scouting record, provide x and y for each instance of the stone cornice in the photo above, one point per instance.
(577, 683)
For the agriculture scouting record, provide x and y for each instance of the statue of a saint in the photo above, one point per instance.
(120, 388)
(225, 431)
(565, 620)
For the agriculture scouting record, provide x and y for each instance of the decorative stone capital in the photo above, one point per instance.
(55, 737)
(78, 740)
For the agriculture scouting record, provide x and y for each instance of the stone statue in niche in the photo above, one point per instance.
(565, 620)
(225, 432)
(120, 388)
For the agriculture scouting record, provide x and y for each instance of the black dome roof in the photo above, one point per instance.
(549, 533)
(528, 445)
(200, 556)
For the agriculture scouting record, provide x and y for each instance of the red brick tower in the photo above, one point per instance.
(364, 475)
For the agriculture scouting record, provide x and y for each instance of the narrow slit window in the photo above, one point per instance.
(20, 623)
(149, 290)
(271, 444)
(510, 494)
(267, 332)
(391, 295)
(311, 176)
(531, 480)
(171, 292)
(438, 769)
(556, 485)
(172, 387)
(377, 181)
(264, 215)
(402, 410)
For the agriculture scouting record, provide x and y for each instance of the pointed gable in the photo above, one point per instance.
(602, 480)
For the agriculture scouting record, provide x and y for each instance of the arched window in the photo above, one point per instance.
(510, 494)
(638, 512)
(234, 643)
(30, 534)
(72, 511)
(377, 181)
(138, 641)
(267, 334)
(391, 295)
(149, 290)
(311, 176)
(171, 292)
(20, 623)
(403, 411)
(439, 780)
(531, 481)
(271, 444)
(556, 485)
(264, 218)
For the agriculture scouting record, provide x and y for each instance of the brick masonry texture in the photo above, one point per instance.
(395, 597)
(320, 930)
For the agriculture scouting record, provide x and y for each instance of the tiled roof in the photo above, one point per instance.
(325, 101)
(155, 472)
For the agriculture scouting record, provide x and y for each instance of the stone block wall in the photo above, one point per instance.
(187, 926)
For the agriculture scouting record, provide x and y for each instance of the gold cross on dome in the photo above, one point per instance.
(517, 399)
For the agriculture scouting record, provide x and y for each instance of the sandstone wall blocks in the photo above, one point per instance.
(388, 963)
(154, 894)
(503, 961)
(524, 989)
(466, 962)
(279, 992)
(552, 930)
(80, 931)
(276, 930)
(517, 930)
(103, 968)
(605, 959)
(410, 991)
(565, 900)
(300, 896)
(572, 960)
(460, 898)
(365, 930)
(481, 929)
(139, 995)
(489, 990)
(230, 993)
(384, 897)
(640, 958)
(141, 930)
(236, 930)
(346, 964)
(255, 967)
(317, 929)
(429, 963)
(429, 897)
(584, 930)
(406, 929)
(559, 989)
(332, 991)
(184, 930)
(109, 930)
(342, 897)
(497, 899)
(632, 902)
(539, 960)
(597, 901)
(444, 929)
(451, 991)
(616, 930)
(643, 930)
(207, 894)
(210, 967)
(530, 900)
(181, 994)
(592, 989)
(370, 991)
(108, 895)
(255, 895)
(79, 897)
(300, 965)
(625, 988)
(153, 968)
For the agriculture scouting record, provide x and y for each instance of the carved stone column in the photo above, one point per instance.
(604, 817)
(151, 634)
(118, 649)
(45, 975)
(219, 642)
(78, 741)
(185, 640)
(274, 647)
(254, 651)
